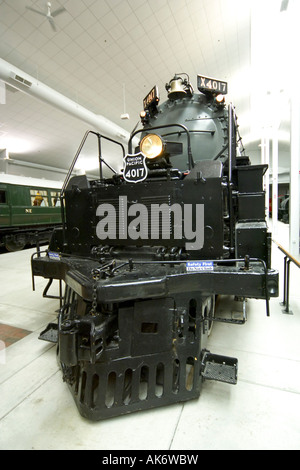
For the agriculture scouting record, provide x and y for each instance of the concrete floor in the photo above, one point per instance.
(261, 412)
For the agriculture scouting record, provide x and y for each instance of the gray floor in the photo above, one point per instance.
(261, 412)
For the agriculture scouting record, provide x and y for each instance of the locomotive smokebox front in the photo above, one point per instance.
(204, 115)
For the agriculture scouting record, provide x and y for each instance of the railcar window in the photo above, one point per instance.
(2, 196)
(39, 197)
(55, 201)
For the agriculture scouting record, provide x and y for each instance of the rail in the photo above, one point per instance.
(101, 160)
(38, 254)
(288, 259)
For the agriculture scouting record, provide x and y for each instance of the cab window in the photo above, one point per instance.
(55, 201)
(39, 197)
(2, 196)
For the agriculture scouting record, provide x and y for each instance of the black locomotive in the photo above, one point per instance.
(145, 251)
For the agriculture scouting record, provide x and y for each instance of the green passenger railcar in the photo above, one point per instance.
(29, 211)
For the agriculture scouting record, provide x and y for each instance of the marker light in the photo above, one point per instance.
(151, 145)
(220, 99)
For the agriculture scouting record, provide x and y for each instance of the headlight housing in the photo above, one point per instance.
(152, 146)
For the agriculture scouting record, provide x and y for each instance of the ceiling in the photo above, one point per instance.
(106, 55)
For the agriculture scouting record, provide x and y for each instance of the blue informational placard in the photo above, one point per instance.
(199, 266)
(53, 255)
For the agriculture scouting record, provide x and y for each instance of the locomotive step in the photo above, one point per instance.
(50, 333)
(220, 368)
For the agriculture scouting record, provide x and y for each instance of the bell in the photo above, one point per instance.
(176, 89)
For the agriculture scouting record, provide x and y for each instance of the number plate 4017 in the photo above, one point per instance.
(135, 168)
(211, 84)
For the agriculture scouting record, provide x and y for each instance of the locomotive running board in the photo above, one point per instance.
(220, 368)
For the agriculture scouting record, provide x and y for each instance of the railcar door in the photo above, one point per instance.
(5, 214)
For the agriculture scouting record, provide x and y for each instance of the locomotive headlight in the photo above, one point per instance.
(152, 145)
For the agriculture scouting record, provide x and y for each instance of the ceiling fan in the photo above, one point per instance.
(49, 15)
(284, 5)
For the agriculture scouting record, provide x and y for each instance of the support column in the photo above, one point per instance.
(265, 159)
(294, 204)
(262, 149)
(267, 175)
(4, 158)
(274, 180)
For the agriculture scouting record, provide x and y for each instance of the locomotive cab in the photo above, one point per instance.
(144, 253)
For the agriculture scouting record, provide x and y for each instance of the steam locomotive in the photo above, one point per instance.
(145, 251)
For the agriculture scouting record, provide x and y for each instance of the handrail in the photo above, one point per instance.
(288, 258)
(101, 160)
(297, 263)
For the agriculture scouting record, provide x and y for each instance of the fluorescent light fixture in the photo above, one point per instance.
(86, 164)
(15, 145)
